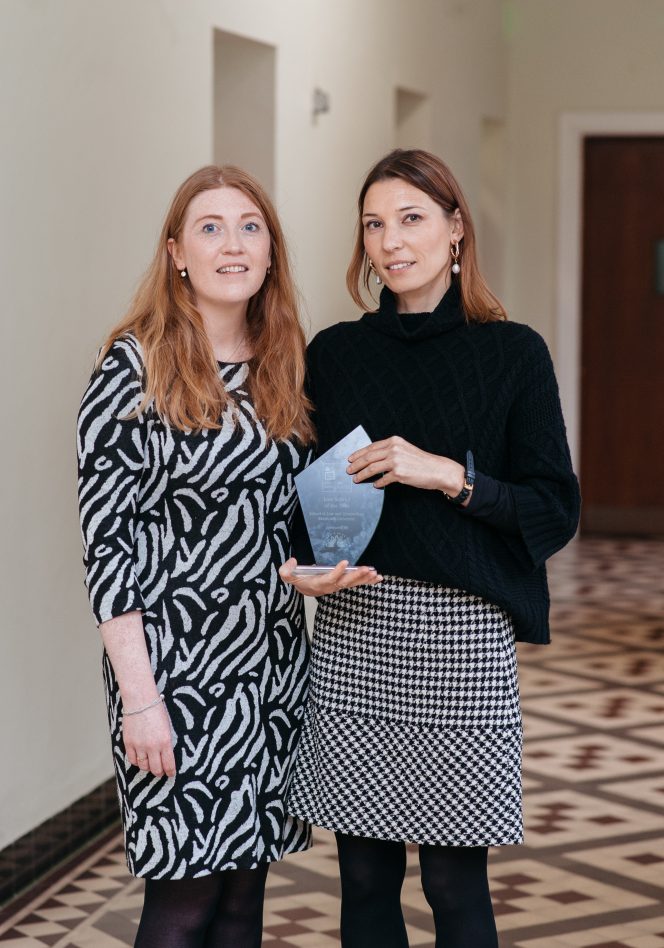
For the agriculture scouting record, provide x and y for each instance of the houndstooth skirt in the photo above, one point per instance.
(413, 727)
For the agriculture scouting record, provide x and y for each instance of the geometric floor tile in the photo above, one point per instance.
(529, 784)
(566, 646)
(313, 914)
(91, 937)
(646, 790)
(321, 859)
(655, 734)
(535, 680)
(575, 617)
(648, 933)
(643, 860)
(565, 817)
(20, 941)
(624, 667)
(611, 709)
(634, 634)
(527, 893)
(535, 727)
(50, 934)
(590, 757)
(589, 871)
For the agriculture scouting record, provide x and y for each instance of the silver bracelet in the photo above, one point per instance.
(147, 707)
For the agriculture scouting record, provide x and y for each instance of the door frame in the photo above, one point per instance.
(573, 128)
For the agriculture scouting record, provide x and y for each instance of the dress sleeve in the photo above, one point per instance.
(536, 508)
(111, 450)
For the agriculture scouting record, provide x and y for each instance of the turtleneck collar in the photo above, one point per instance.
(413, 327)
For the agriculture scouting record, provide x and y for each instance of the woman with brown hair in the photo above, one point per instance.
(412, 731)
(190, 433)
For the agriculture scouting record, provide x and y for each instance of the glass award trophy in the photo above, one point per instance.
(341, 516)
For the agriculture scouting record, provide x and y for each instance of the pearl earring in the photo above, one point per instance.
(371, 267)
(454, 250)
(183, 273)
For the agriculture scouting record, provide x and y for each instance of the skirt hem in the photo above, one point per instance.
(415, 839)
(232, 864)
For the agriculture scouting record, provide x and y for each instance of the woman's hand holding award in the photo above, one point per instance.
(341, 517)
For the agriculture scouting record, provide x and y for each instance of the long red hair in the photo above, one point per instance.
(181, 376)
(431, 175)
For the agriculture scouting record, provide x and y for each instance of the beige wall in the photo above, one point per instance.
(566, 56)
(106, 107)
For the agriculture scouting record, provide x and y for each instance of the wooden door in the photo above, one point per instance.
(622, 346)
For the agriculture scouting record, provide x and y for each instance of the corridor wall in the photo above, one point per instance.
(106, 108)
(565, 56)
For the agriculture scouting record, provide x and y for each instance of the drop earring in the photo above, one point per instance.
(183, 273)
(454, 250)
(373, 269)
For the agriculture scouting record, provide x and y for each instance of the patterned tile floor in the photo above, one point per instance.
(592, 872)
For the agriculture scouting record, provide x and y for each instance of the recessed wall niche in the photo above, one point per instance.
(244, 105)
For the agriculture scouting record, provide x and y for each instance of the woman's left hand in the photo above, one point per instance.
(335, 579)
(398, 461)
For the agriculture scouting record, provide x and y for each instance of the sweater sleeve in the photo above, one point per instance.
(111, 452)
(537, 507)
(493, 502)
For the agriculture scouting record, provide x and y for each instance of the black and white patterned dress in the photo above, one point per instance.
(413, 728)
(191, 529)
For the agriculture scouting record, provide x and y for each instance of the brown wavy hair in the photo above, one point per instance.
(181, 375)
(431, 175)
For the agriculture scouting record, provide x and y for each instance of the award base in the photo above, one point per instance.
(320, 570)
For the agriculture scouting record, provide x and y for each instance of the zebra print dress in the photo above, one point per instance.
(190, 528)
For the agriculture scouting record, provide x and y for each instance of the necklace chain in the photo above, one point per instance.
(230, 357)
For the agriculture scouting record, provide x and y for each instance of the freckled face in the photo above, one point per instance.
(225, 247)
(408, 236)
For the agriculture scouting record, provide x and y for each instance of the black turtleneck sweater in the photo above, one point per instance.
(447, 384)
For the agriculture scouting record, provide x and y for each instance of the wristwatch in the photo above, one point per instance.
(468, 481)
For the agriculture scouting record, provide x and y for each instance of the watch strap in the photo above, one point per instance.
(468, 481)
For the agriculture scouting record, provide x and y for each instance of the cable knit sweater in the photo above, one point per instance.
(447, 385)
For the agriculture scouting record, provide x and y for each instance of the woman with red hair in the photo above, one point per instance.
(190, 433)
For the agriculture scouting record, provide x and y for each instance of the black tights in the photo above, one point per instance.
(222, 910)
(455, 884)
